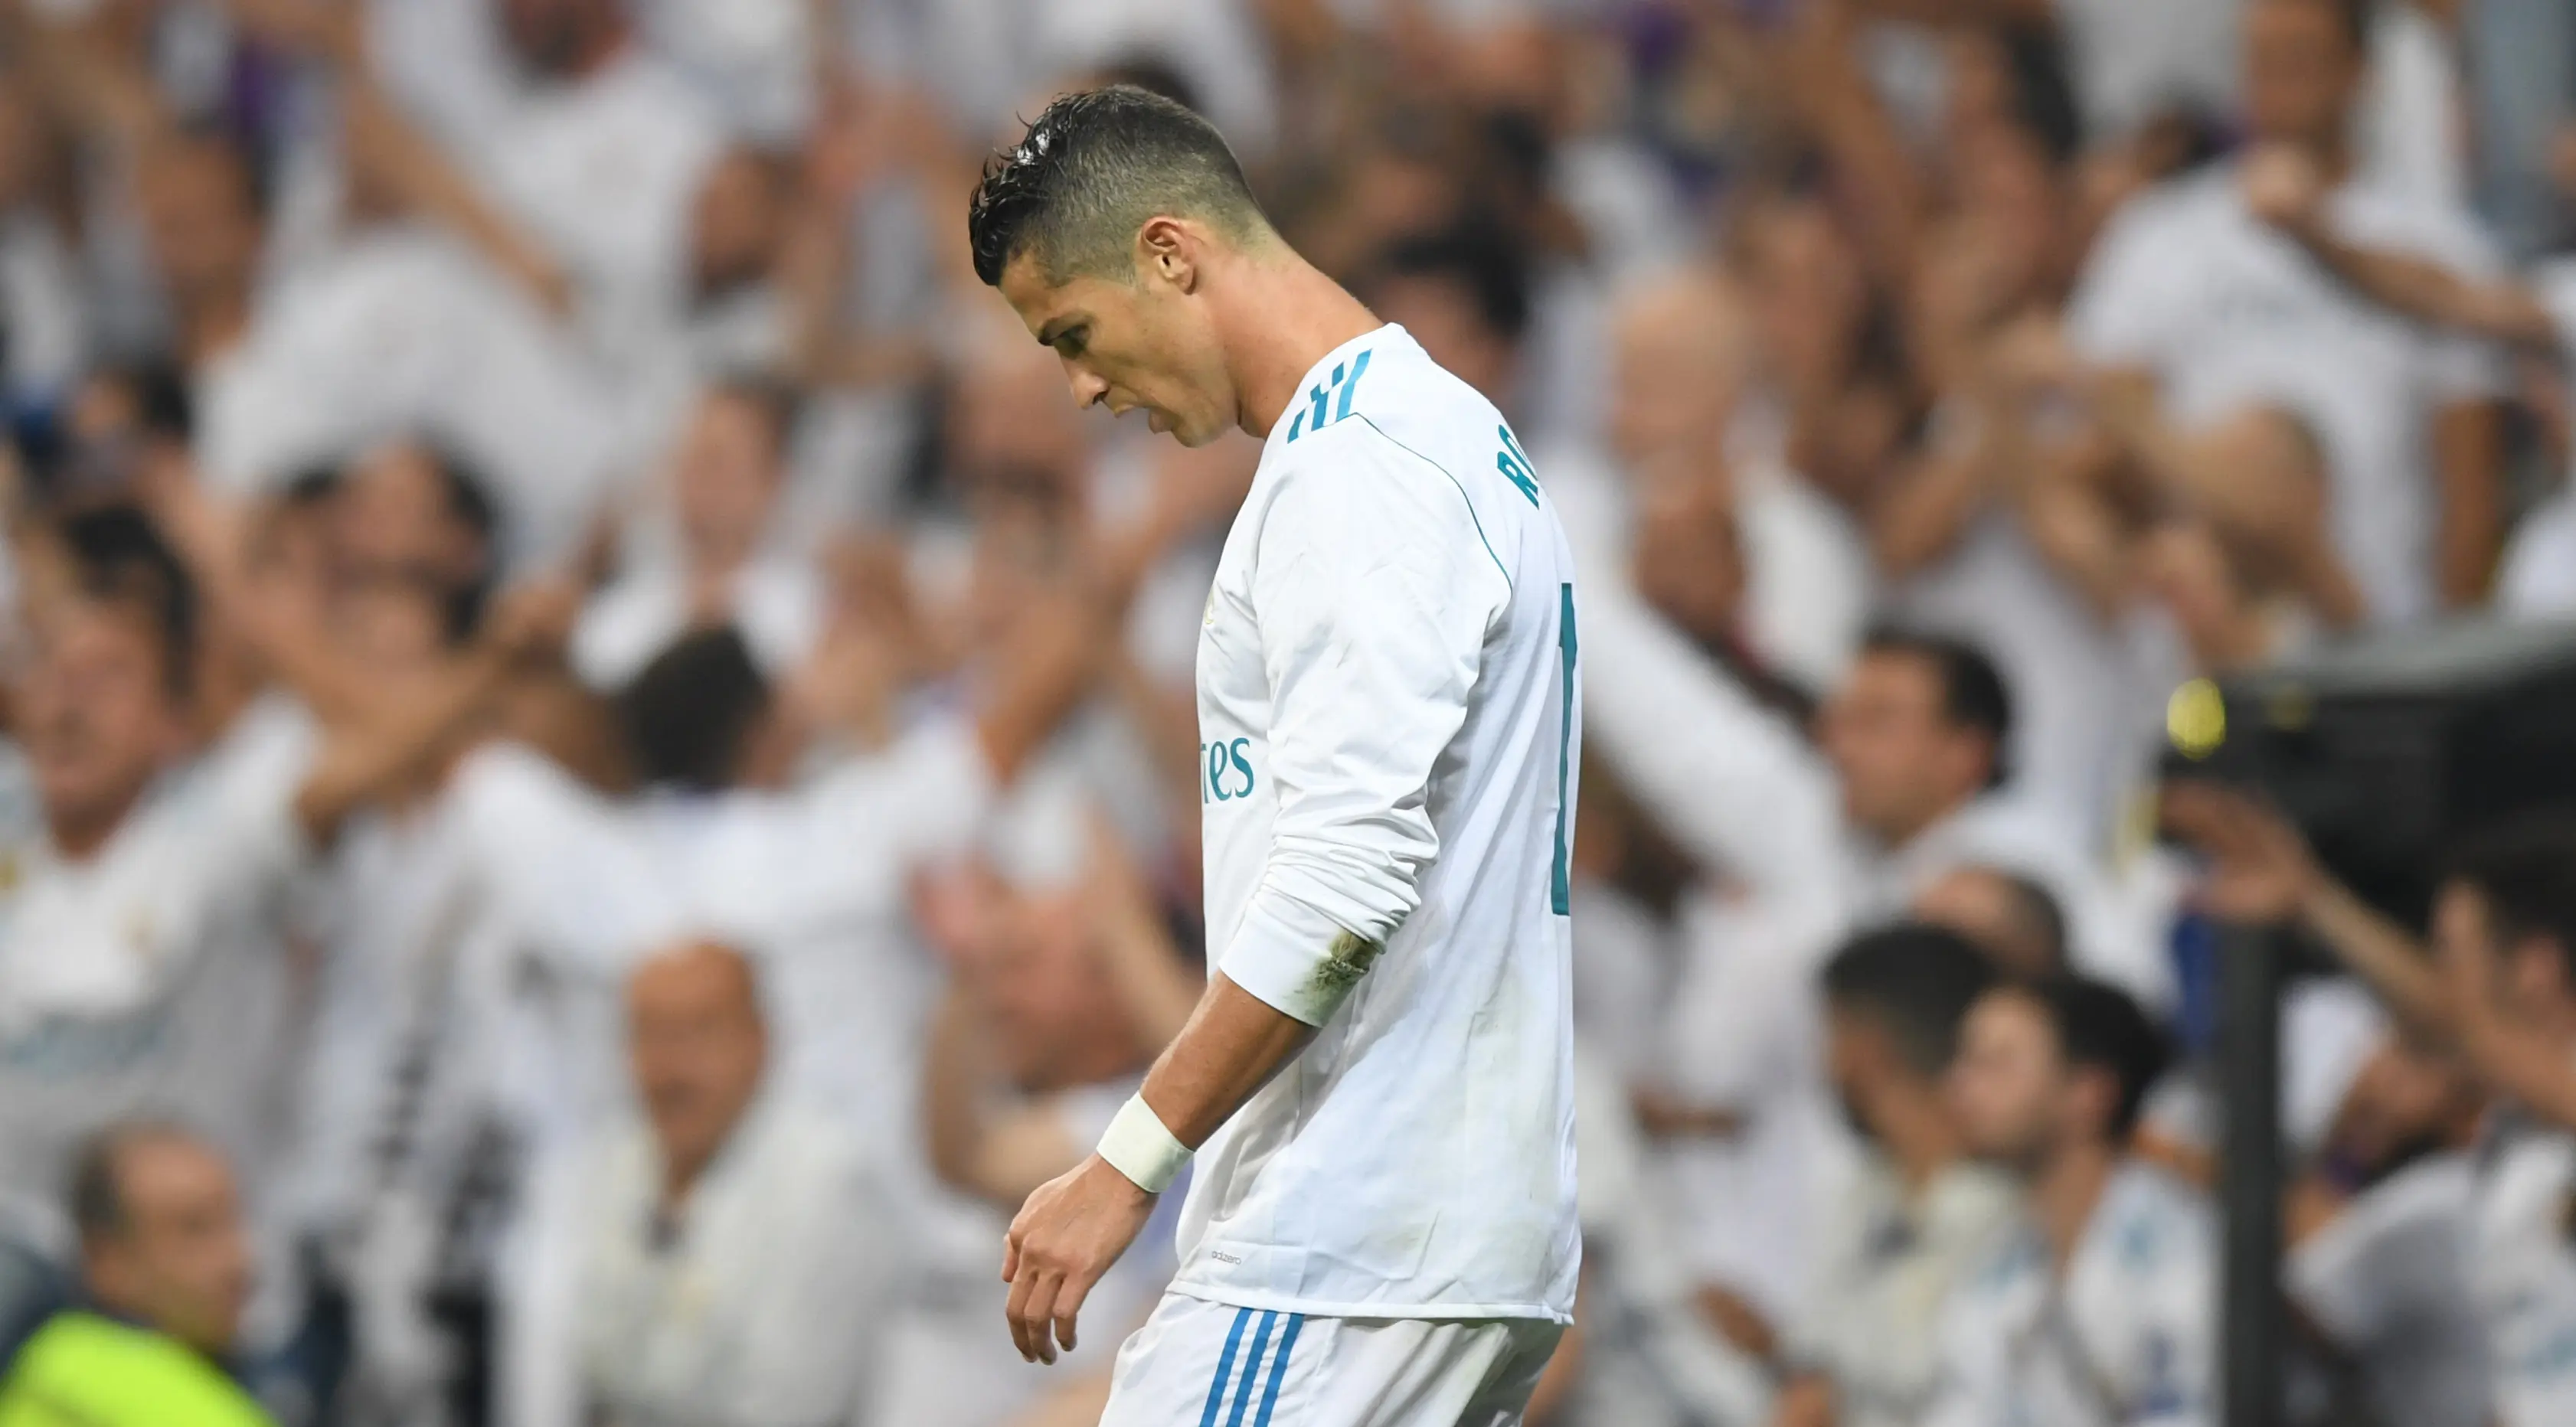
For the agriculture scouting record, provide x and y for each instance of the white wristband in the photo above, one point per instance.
(1137, 1146)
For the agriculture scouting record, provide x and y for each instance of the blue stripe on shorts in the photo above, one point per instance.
(1225, 1369)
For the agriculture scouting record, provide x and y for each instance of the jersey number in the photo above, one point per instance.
(1560, 894)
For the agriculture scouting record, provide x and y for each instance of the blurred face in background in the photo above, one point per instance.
(2010, 1087)
(1679, 350)
(97, 715)
(559, 38)
(2402, 1100)
(735, 222)
(180, 1261)
(697, 1046)
(726, 479)
(2302, 71)
(394, 514)
(198, 215)
(1809, 294)
(1055, 1015)
(1688, 561)
(1903, 764)
(1140, 340)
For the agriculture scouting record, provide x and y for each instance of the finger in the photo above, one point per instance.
(1015, 1308)
(1010, 1255)
(1037, 1316)
(1068, 1305)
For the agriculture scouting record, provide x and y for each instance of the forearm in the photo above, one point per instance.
(1921, 520)
(2468, 461)
(2383, 955)
(360, 763)
(1234, 1042)
(407, 163)
(2429, 292)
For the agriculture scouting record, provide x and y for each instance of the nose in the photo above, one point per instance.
(1089, 388)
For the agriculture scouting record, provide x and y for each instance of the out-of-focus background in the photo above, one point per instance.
(600, 768)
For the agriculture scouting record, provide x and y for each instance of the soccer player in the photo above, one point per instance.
(1378, 1081)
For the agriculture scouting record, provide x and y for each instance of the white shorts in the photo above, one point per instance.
(1202, 1364)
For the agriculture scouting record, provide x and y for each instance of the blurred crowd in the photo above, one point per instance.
(600, 771)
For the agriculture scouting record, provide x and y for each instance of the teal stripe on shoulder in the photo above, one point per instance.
(1472, 518)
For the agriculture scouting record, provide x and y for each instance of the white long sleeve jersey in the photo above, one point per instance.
(1389, 706)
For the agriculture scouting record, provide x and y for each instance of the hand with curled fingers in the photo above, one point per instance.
(1066, 1236)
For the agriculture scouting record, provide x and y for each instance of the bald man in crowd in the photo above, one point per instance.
(165, 1277)
(728, 1258)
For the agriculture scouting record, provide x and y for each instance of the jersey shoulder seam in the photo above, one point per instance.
(1472, 517)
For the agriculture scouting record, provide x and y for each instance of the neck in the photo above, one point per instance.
(2332, 155)
(214, 323)
(78, 834)
(1917, 1135)
(604, 46)
(1289, 316)
(2065, 1191)
(1899, 839)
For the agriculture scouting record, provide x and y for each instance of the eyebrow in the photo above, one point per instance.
(1055, 329)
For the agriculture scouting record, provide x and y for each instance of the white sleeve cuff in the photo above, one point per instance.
(1295, 959)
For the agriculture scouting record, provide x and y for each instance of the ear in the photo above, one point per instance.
(1166, 249)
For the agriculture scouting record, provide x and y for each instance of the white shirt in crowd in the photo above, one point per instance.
(1887, 1262)
(2524, 1271)
(2088, 694)
(1387, 698)
(755, 58)
(2538, 577)
(777, 603)
(2388, 1282)
(763, 1301)
(2188, 284)
(399, 331)
(151, 978)
(2130, 62)
(604, 171)
(40, 308)
(809, 881)
(2127, 1337)
(946, 1365)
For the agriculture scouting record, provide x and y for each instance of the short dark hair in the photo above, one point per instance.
(2525, 870)
(2100, 1027)
(1094, 166)
(119, 557)
(689, 715)
(97, 1189)
(1914, 980)
(468, 497)
(2354, 17)
(1973, 694)
(2035, 904)
(1480, 257)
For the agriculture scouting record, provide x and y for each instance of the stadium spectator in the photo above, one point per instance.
(2011, 918)
(1917, 736)
(725, 486)
(2099, 1308)
(1064, 984)
(734, 1257)
(149, 948)
(165, 1277)
(1866, 1348)
(2494, 992)
(2191, 310)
